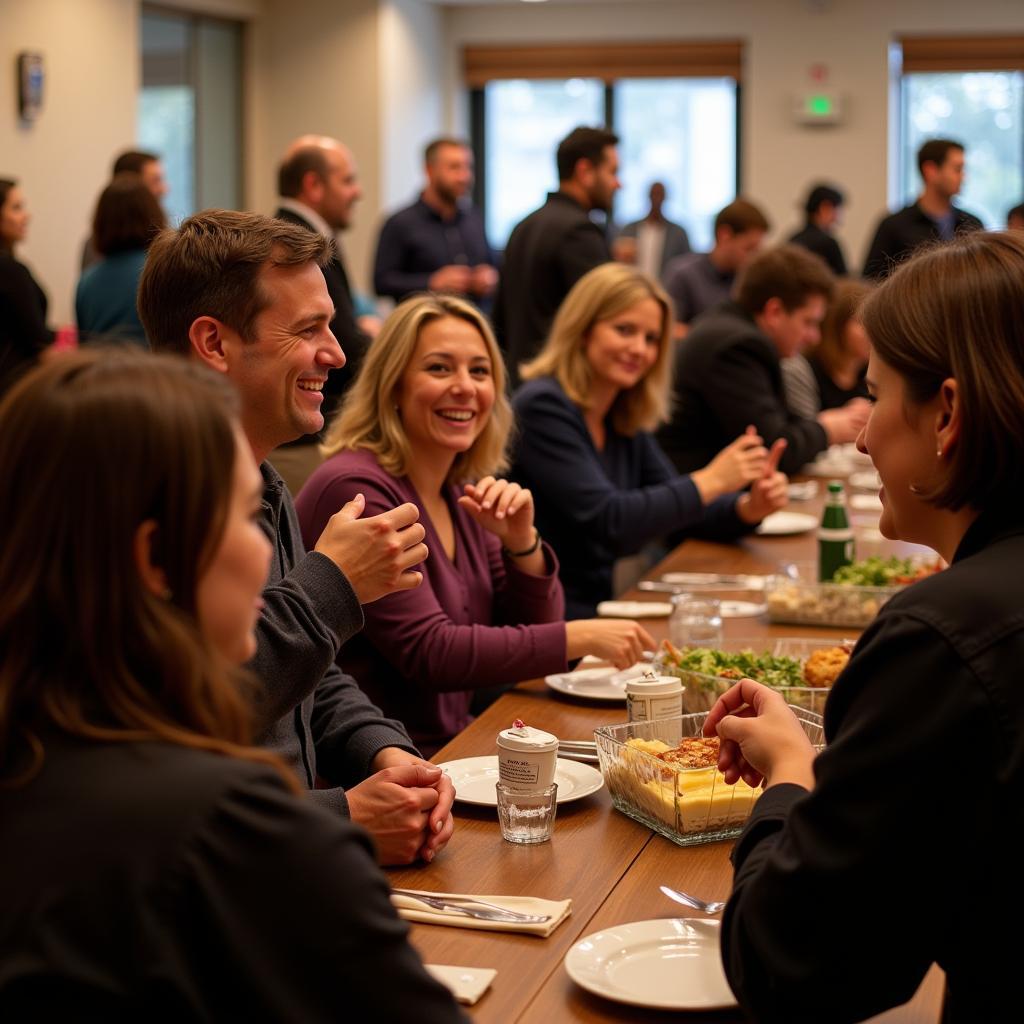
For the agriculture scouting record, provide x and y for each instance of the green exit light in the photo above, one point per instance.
(820, 106)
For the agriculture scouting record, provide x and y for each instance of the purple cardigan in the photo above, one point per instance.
(473, 623)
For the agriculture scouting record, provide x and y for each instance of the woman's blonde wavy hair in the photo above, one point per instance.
(606, 292)
(369, 419)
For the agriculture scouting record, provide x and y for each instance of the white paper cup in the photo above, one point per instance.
(526, 758)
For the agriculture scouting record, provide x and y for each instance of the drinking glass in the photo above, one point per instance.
(695, 621)
(526, 817)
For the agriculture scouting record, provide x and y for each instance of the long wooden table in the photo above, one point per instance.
(610, 865)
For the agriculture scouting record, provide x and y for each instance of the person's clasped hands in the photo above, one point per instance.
(406, 805)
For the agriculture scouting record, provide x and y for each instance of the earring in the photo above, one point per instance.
(914, 489)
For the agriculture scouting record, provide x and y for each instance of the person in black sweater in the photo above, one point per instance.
(824, 209)
(920, 781)
(549, 251)
(727, 369)
(932, 217)
(601, 486)
(23, 330)
(164, 869)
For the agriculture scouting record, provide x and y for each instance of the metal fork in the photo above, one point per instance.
(474, 908)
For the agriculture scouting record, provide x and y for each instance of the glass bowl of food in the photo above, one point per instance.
(802, 669)
(852, 598)
(665, 775)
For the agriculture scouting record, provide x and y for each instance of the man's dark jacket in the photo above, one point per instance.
(900, 233)
(727, 376)
(547, 254)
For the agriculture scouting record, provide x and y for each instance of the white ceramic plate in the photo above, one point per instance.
(866, 502)
(717, 581)
(596, 683)
(634, 609)
(740, 609)
(670, 964)
(866, 480)
(781, 524)
(474, 779)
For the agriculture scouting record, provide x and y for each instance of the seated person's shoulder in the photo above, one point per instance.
(539, 393)
(679, 268)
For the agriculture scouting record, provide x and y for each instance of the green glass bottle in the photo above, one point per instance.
(835, 538)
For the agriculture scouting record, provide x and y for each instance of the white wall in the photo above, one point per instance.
(412, 96)
(62, 159)
(783, 39)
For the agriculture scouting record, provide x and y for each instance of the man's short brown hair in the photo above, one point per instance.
(788, 273)
(741, 215)
(432, 148)
(294, 169)
(210, 266)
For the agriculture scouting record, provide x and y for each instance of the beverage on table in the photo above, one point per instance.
(835, 536)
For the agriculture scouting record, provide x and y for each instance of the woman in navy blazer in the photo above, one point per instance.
(603, 487)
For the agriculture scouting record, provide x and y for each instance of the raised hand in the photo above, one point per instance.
(768, 494)
(733, 467)
(376, 554)
(503, 508)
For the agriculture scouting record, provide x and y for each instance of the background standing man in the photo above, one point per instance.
(932, 216)
(438, 243)
(652, 243)
(556, 245)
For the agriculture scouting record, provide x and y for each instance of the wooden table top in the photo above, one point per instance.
(610, 865)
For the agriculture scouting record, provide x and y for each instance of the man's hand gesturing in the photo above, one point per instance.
(376, 554)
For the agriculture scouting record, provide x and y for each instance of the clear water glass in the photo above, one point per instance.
(526, 817)
(695, 621)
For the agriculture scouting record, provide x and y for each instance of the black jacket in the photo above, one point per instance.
(153, 882)
(822, 244)
(727, 376)
(23, 330)
(899, 234)
(547, 254)
(904, 854)
(353, 341)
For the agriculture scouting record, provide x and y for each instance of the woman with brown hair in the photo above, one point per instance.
(428, 422)
(128, 217)
(841, 899)
(604, 489)
(159, 867)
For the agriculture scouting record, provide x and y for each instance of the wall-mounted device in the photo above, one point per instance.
(30, 85)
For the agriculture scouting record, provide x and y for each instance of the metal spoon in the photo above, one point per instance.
(691, 901)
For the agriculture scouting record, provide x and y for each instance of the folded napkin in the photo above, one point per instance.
(467, 984)
(558, 910)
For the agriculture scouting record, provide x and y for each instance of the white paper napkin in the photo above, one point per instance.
(467, 984)
(557, 910)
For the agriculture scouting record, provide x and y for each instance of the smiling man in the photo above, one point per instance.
(727, 370)
(245, 295)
